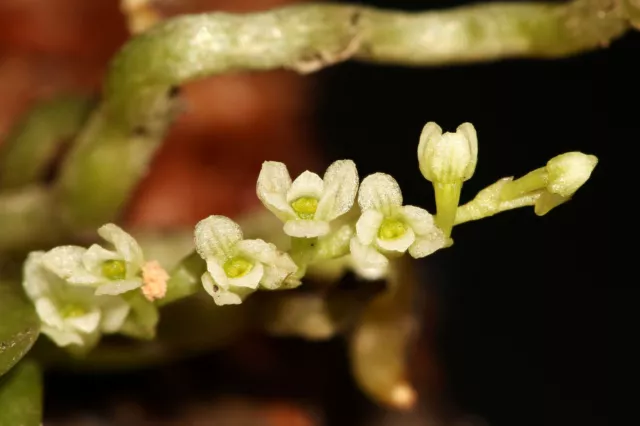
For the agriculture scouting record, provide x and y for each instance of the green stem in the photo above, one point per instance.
(30, 150)
(303, 252)
(447, 200)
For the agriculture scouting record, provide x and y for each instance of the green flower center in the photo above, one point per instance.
(305, 207)
(73, 311)
(390, 229)
(237, 267)
(114, 269)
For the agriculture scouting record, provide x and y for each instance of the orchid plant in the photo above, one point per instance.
(325, 226)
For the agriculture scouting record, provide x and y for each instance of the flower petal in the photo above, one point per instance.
(217, 274)
(113, 288)
(427, 244)
(268, 254)
(95, 256)
(216, 236)
(308, 184)
(272, 187)
(381, 192)
(223, 296)
(62, 337)
(368, 226)
(420, 220)
(469, 132)
(124, 243)
(85, 323)
(66, 262)
(114, 312)
(48, 312)
(429, 136)
(340, 189)
(35, 280)
(306, 228)
(251, 279)
(367, 261)
(400, 244)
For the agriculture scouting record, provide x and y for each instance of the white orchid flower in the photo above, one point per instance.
(237, 267)
(70, 315)
(386, 227)
(449, 157)
(111, 272)
(309, 203)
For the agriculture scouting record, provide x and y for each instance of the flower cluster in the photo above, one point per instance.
(81, 293)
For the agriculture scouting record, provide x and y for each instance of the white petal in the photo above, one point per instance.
(427, 244)
(368, 226)
(251, 279)
(66, 262)
(308, 184)
(273, 277)
(420, 220)
(124, 243)
(272, 187)
(217, 274)
(95, 256)
(306, 228)
(220, 295)
(114, 313)
(35, 277)
(63, 337)
(85, 323)
(400, 244)
(367, 261)
(429, 137)
(469, 132)
(216, 236)
(268, 254)
(340, 188)
(381, 192)
(113, 288)
(48, 312)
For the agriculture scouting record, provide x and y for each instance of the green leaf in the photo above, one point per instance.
(21, 396)
(19, 326)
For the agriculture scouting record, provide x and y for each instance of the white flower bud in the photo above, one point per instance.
(448, 157)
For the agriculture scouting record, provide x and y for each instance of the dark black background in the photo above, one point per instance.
(528, 305)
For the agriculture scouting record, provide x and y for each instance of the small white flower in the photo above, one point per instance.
(70, 315)
(388, 227)
(448, 157)
(109, 271)
(309, 203)
(569, 171)
(236, 267)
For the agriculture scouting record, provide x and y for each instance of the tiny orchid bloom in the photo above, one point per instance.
(237, 267)
(309, 203)
(71, 315)
(110, 272)
(387, 227)
(450, 157)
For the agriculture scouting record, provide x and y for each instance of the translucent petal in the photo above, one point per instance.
(273, 277)
(217, 274)
(85, 323)
(469, 132)
(420, 220)
(272, 187)
(447, 158)
(113, 288)
(427, 244)
(368, 225)
(431, 133)
(400, 244)
(124, 243)
(251, 279)
(216, 236)
(268, 254)
(35, 280)
(381, 192)
(114, 313)
(66, 262)
(63, 337)
(308, 184)
(223, 296)
(95, 256)
(48, 312)
(367, 261)
(306, 228)
(340, 189)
